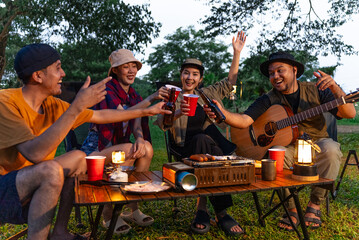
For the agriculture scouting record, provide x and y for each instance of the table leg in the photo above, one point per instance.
(294, 192)
(96, 222)
(116, 211)
(259, 210)
(280, 196)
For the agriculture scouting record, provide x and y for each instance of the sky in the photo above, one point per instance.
(173, 14)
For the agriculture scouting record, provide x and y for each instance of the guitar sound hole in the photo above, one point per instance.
(263, 140)
(270, 128)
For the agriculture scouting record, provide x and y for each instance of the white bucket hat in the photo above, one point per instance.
(122, 56)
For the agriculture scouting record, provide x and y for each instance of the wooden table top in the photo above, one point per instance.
(86, 194)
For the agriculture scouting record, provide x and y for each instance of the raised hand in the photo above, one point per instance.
(239, 41)
(326, 81)
(90, 95)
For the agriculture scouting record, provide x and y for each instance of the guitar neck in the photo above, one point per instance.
(296, 118)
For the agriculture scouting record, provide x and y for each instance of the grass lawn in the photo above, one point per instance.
(341, 223)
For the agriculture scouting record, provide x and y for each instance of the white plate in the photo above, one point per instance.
(143, 187)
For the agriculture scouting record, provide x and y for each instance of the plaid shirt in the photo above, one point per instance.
(113, 132)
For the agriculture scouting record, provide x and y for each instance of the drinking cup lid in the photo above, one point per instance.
(172, 86)
(191, 95)
(95, 157)
(276, 149)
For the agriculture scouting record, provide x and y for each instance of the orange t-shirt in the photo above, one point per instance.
(20, 123)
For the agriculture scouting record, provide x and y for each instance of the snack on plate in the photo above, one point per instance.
(146, 187)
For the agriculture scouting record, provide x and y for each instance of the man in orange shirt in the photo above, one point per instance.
(32, 125)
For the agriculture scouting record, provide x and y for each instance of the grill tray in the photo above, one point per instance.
(222, 173)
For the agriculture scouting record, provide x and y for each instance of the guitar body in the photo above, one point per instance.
(254, 141)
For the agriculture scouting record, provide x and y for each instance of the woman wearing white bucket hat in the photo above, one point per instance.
(107, 138)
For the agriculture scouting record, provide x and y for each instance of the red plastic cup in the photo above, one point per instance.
(191, 99)
(95, 166)
(277, 154)
(178, 90)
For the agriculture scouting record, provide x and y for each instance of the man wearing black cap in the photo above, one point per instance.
(32, 125)
(283, 70)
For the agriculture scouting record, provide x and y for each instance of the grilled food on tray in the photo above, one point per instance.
(202, 157)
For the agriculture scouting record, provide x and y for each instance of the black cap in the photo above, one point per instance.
(34, 57)
(281, 57)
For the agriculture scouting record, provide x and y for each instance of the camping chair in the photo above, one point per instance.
(351, 152)
(74, 138)
(73, 141)
(177, 157)
(170, 151)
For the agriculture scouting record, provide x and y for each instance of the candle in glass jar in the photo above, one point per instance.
(118, 157)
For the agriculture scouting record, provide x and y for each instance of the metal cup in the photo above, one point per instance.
(269, 171)
(187, 181)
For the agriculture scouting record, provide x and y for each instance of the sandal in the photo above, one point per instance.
(317, 213)
(137, 217)
(226, 223)
(202, 218)
(285, 220)
(120, 224)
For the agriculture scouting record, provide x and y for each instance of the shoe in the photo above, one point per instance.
(226, 223)
(285, 220)
(317, 213)
(137, 217)
(120, 223)
(202, 218)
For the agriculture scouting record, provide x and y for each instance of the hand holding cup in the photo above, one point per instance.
(191, 100)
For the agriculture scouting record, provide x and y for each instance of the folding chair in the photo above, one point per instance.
(177, 156)
(170, 151)
(73, 141)
(350, 153)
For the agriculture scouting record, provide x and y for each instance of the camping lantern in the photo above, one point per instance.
(232, 95)
(304, 168)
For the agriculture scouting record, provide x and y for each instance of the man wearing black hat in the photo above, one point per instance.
(283, 70)
(32, 125)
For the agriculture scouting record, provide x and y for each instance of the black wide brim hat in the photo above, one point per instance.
(284, 57)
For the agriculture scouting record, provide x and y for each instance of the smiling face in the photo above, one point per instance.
(283, 77)
(190, 78)
(126, 73)
(51, 78)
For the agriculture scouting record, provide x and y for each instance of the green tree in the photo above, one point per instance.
(167, 58)
(284, 24)
(86, 32)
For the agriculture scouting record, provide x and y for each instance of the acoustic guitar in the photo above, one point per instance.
(278, 126)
